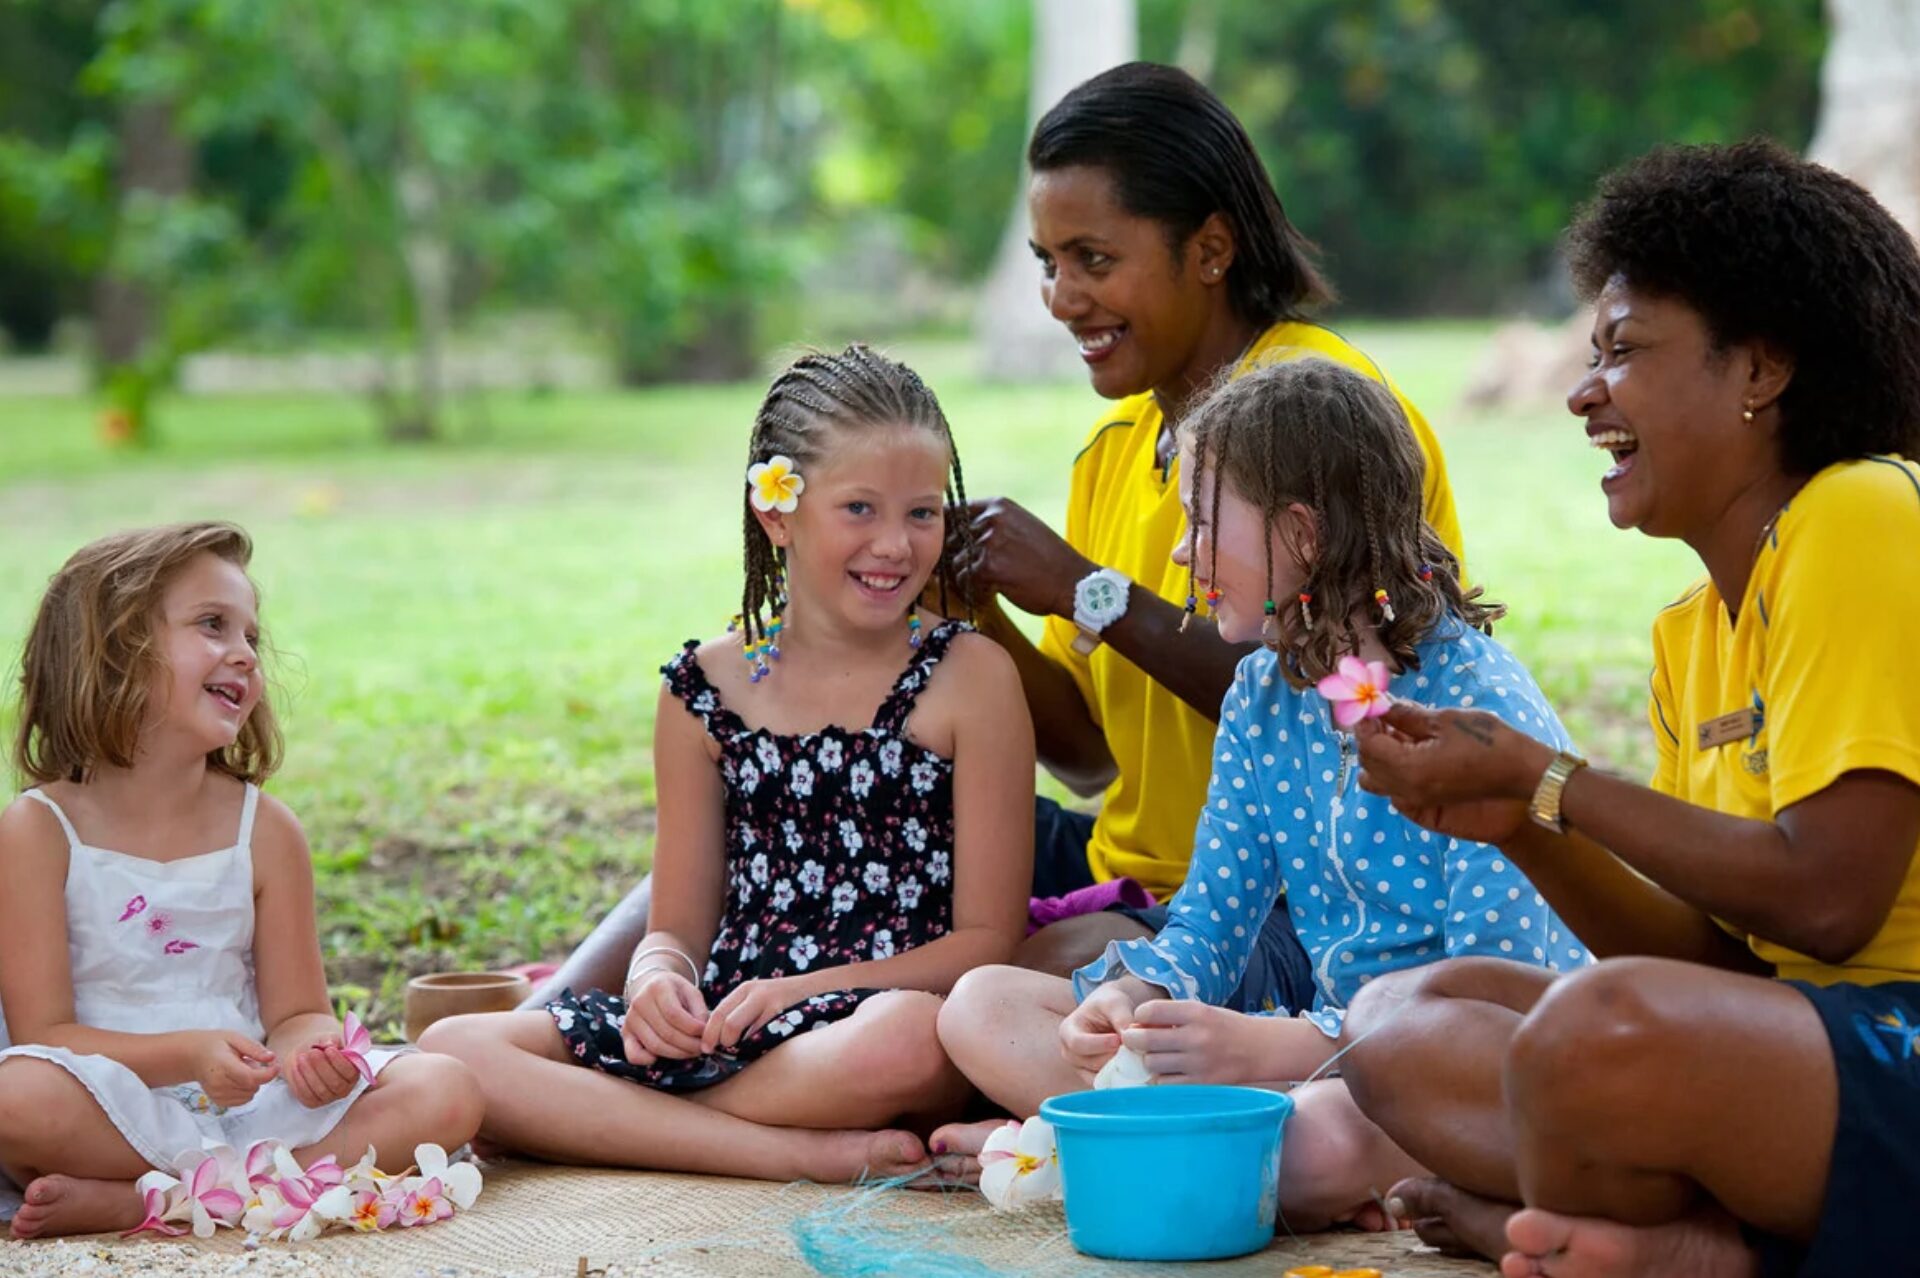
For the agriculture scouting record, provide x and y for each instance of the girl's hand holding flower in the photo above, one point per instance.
(1185, 1041)
(321, 1074)
(666, 1016)
(1091, 1033)
(1462, 773)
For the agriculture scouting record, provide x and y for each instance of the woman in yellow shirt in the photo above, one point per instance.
(1164, 250)
(1756, 376)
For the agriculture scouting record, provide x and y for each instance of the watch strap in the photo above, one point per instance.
(1545, 805)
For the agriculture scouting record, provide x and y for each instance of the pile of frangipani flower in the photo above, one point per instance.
(267, 1193)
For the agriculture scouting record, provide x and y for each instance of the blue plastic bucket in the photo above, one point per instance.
(1169, 1172)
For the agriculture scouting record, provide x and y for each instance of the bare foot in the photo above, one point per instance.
(1451, 1219)
(58, 1205)
(956, 1152)
(854, 1156)
(1704, 1245)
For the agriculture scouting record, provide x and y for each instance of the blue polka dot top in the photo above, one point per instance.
(1367, 890)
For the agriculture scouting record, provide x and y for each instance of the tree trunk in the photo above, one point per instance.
(1869, 126)
(1869, 129)
(155, 162)
(430, 283)
(1073, 40)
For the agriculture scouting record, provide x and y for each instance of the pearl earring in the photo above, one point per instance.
(1746, 414)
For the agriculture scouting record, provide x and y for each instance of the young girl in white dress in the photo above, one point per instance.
(160, 968)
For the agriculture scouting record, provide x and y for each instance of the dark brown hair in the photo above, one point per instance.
(1336, 441)
(92, 657)
(822, 392)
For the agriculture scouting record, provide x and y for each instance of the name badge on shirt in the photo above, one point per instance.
(1737, 725)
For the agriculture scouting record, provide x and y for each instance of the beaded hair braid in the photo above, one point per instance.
(1319, 433)
(819, 393)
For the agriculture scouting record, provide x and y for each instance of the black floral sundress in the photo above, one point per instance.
(839, 850)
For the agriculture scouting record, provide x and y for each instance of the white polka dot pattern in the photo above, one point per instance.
(1367, 890)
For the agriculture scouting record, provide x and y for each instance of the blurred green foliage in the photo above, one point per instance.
(680, 175)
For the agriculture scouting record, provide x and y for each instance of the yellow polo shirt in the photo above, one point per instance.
(1124, 513)
(1822, 658)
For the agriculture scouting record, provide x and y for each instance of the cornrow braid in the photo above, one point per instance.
(822, 392)
(1313, 431)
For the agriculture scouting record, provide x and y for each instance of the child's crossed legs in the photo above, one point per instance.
(1002, 1028)
(79, 1170)
(815, 1108)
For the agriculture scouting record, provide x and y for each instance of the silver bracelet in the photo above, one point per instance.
(633, 965)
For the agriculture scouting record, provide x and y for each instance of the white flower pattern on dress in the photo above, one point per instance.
(838, 853)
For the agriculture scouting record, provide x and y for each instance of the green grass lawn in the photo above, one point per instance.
(466, 635)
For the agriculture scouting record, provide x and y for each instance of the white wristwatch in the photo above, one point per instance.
(1099, 600)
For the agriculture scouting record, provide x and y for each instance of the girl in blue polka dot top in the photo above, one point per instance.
(1302, 485)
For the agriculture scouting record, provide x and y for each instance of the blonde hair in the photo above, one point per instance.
(92, 657)
(1318, 433)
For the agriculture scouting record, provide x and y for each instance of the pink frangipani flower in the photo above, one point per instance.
(156, 1190)
(213, 1203)
(424, 1203)
(355, 1043)
(1357, 691)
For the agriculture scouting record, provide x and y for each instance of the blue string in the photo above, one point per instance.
(844, 1241)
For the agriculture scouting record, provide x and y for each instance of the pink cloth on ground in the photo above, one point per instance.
(1042, 910)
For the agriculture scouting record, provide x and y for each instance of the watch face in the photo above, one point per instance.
(1102, 595)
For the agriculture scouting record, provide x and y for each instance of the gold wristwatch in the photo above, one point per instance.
(1545, 807)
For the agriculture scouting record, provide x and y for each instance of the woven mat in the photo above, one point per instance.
(534, 1221)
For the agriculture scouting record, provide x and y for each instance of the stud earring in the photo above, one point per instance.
(1746, 414)
(1306, 611)
(913, 626)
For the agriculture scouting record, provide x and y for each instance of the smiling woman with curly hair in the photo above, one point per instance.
(1733, 1091)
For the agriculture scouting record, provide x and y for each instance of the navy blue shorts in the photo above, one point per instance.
(1279, 976)
(1875, 1178)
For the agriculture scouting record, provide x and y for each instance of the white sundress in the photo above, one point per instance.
(157, 946)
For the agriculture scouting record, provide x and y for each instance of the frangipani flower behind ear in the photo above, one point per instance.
(1358, 691)
(1019, 1165)
(776, 485)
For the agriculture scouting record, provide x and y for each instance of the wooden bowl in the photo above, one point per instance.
(443, 994)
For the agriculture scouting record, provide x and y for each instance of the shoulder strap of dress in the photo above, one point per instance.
(893, 712)
(247, 808)
(687, 681)
(73, 837)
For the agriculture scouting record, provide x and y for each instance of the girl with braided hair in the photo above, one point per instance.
(1301, 486)
(845, 794)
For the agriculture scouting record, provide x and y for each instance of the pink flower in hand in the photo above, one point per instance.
(355, 1043)
(1358, 691)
